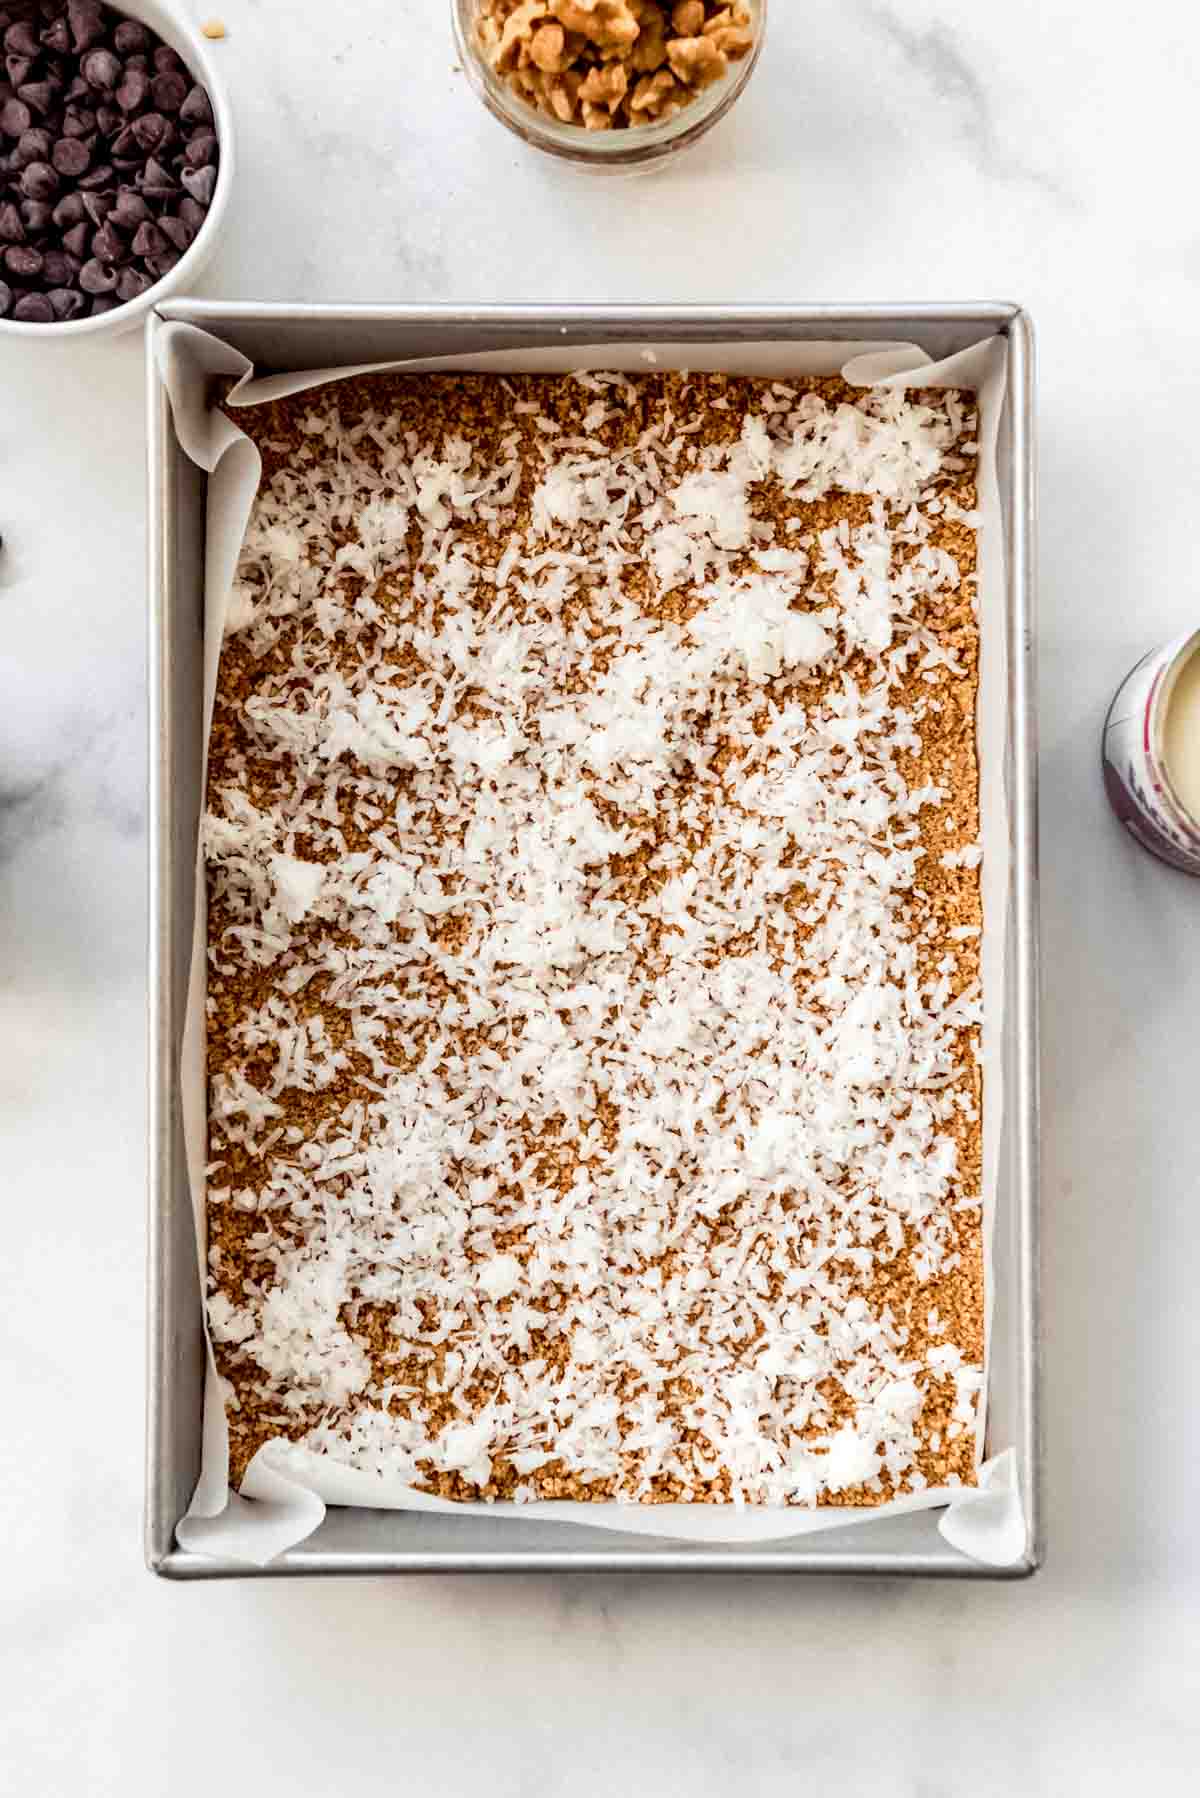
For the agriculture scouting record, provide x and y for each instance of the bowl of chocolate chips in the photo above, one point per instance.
(116, 161)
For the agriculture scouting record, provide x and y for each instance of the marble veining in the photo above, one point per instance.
(936, 55)
(925, 151)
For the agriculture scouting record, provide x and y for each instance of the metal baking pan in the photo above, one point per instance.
(354, 1541)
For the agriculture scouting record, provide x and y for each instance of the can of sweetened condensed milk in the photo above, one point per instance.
(1151, 753)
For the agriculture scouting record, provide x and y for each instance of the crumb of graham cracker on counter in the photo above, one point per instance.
(594, 940)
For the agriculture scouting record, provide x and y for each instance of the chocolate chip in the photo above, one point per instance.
(78, 238)
(19, 68)
(57, 37)
(98, 177)
(94, 277)
(197, 108)
(36, 215)
(66, 304)
(149, 240)
(87, 23)
(201, 150)
(170, 89)
(59, 269)
(200, 183)
(153, 132)
(131, 283)
(34, 309)
(162, 265)
(23, 261)
(157, 182)
(134, 89)
(166, 58)
(101, 70)
(40, 182)
(78, 121)
(22, 39)
(11, 228)
(108, 245)
(130, 35)
(32, 146)
(70, 210)
(15, 117)
(180, 234)
(105, 302)
(98, 206)
(5, 298)
(70, 156)
(130, 210)
(39, 96)
(109, 118)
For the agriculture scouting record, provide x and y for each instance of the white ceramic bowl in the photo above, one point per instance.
(200, 61)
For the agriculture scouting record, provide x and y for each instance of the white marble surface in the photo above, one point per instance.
(1037, 151)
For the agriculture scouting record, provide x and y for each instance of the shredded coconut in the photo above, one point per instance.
(592, 901)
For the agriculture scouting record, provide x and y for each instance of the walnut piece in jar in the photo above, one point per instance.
(612, 64)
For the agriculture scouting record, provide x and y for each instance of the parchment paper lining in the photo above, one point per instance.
(287, 1488)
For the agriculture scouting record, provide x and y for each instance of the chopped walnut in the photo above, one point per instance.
(730, 31)
(649, 52)
(548, 49)
(652, 93)
(696, 60)
(608, 24)
(605, 85)
(561, 96)
(605, 64)
(518, 32)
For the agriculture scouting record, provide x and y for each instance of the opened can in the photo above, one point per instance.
(1151, 753)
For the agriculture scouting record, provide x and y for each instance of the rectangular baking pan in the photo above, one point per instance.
(281, 337)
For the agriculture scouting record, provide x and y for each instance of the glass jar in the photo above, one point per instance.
(638, 146)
